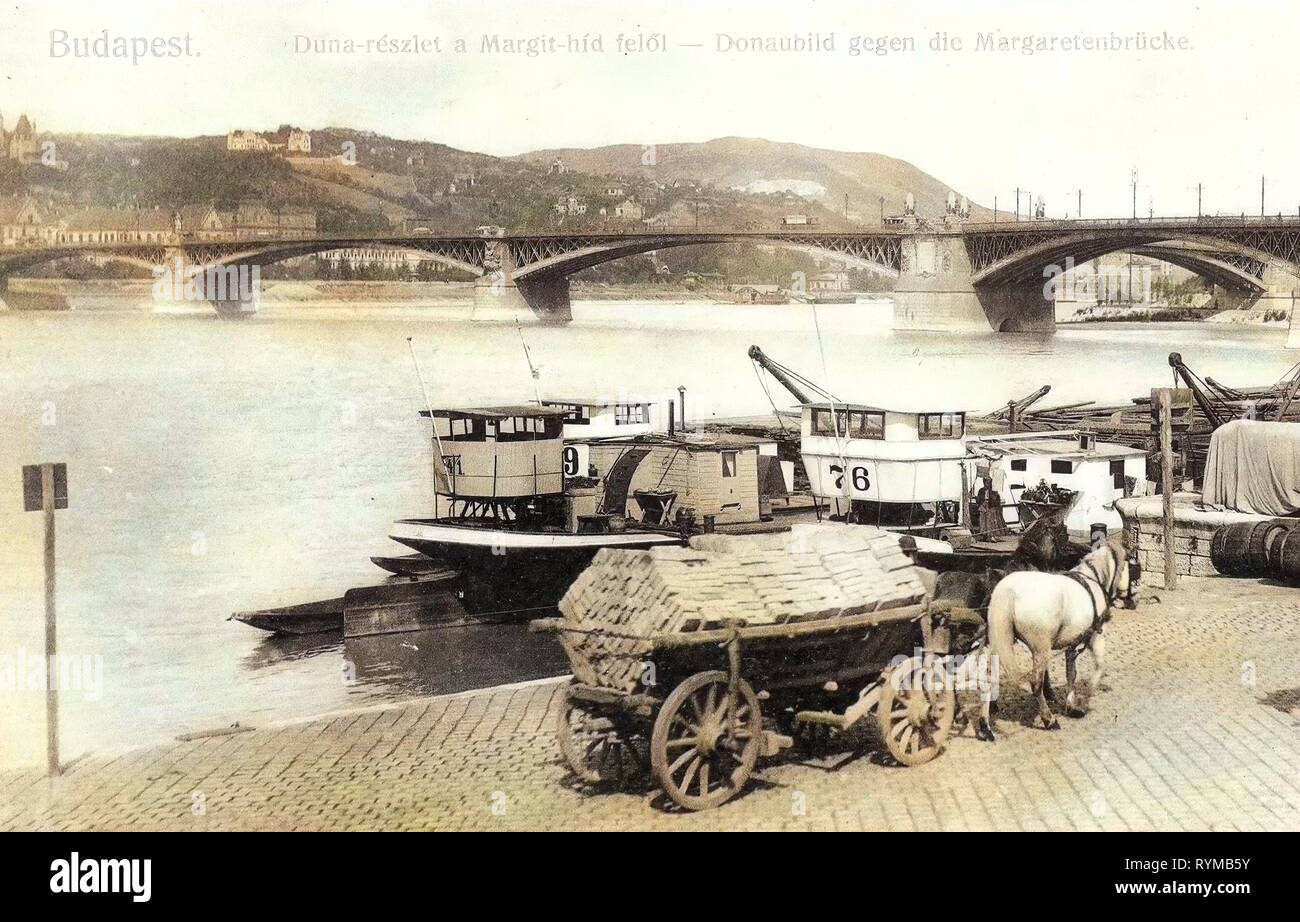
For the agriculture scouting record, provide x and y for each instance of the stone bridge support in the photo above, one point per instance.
(934, 292)
(499, 296)
(231, 289)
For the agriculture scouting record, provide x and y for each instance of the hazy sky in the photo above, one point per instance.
(1222, 110)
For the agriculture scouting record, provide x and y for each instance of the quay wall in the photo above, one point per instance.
(1194, 528)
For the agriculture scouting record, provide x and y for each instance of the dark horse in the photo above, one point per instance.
(1044, 546)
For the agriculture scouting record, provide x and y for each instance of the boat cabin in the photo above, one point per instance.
(649, 478)
(588, 418)
(901, 468)
(500, 453)
(1098, 473)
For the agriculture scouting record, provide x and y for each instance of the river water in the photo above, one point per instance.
(215, 466)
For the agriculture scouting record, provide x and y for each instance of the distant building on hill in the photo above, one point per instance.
(20, 144)
(285, 140)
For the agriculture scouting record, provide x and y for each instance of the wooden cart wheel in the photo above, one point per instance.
(700, 752)
(917, 706)
(596, 749)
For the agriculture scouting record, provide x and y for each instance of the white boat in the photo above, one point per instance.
(900, 468)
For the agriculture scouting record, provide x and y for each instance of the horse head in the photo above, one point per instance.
(1117, 573)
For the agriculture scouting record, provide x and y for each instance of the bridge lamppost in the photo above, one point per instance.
(1135, 193)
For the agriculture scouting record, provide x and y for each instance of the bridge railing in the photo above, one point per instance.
(1103, 223)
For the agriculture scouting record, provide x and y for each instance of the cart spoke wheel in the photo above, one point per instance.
(917, 706)
(599, 750)
(704, 746)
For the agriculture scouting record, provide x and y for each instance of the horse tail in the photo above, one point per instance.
(1002, 633)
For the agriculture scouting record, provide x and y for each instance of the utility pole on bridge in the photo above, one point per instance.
(1261, 196)
(1135, 193)
(1079, 207)
(1198, 201)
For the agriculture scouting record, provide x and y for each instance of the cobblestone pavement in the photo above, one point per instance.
(1178, 738)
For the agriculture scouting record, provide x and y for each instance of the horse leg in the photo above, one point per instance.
(1097, 645)
(1071, 674)
(984, 727)
(1039, 679)
(1048, 694)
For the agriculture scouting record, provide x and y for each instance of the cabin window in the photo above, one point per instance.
(728, 464)
(1019, 464)
(631, 414)
(942, 425)
(822, 423)
(461, 429)
(1060, 466)
(574, 414)
(864, 425)
(524, 428)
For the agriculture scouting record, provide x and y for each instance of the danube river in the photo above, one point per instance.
(216, 466)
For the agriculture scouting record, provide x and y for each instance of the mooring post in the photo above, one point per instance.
(1165, 398)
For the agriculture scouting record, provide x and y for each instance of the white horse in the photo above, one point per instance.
(1057, 611)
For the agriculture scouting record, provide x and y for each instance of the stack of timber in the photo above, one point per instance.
(624, 600)
(1131, 423)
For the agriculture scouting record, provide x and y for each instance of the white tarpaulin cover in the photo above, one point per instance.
(1254, 467)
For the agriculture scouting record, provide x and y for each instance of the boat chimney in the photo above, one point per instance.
(671, 422)
(681, 401)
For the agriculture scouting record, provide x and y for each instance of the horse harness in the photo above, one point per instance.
(1099, 615)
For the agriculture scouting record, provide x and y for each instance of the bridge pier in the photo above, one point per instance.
(231, 289)
(500, 297)
(934, 292)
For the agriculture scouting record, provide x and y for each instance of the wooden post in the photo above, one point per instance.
(51, 633)
(1165, 397)
(45, 489)
(965, 496)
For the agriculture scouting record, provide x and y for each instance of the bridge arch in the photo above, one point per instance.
(565, 256)
(1025, 257)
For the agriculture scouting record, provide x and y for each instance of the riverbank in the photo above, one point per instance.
(1175, 740)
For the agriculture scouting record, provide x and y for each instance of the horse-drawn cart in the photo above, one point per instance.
(698, 700)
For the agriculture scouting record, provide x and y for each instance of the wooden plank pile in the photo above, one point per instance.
(625, 599)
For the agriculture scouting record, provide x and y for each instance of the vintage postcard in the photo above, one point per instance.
(591, 416)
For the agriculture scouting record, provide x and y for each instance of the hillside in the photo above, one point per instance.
(361, 181)
(759, 167)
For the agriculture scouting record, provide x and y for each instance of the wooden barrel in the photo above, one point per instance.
(1263, 538)
(1229, 548)
(1286, 557)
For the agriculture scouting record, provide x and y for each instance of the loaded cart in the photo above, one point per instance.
(694, 662)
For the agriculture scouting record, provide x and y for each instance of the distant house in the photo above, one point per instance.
(199, 222)
(256, 220)
(613, 191)
(570, 205)
(629, 210)
(827, 282)
(557, 167)
(22, 223)
(117, 225)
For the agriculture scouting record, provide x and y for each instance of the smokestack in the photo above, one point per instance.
(681, 401)
(671, 427)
